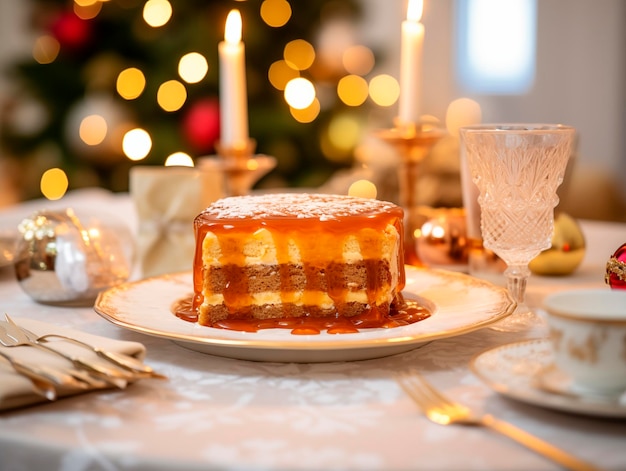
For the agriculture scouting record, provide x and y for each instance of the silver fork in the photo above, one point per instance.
(121, 360)
(84, 370)
(443, 411)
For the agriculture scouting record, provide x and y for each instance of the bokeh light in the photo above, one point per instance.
(179, 159)
(136, 144)
(193, 67)
(171, 95)
(358, 60)
(363, 189)
(46, 49)
(53, 183)
(299, 54)
(275, 13)
(308, 114)
(341, 137)
(280, 74)
(157, 12)
(299, 93)
(87, 9)
(352, 90)
(93, 129)
(130, 83)
(384, 90)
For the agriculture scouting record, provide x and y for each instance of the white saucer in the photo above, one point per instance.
(525, 371)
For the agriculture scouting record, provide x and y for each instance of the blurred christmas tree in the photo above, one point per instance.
(99, 69)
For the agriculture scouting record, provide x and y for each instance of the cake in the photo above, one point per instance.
(279, 257)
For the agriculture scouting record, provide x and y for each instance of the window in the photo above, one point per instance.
(496, 45)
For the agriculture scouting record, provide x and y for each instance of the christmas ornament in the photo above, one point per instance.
(615, 275)
(442, 241)
(61, 258)
(566, 252)
(201, 125)
(71, 31)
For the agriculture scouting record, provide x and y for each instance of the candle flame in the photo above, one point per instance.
(414, 10)
(232, 32)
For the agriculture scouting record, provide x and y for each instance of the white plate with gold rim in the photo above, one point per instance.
(525, 371)
(459, 304)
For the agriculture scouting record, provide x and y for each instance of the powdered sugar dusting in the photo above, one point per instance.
(299, 205)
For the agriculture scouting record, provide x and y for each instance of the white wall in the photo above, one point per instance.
(581, 70)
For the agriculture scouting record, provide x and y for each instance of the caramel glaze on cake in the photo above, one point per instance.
(300, 261)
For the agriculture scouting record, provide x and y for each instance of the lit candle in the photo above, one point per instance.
(233, 96)
(411, 63)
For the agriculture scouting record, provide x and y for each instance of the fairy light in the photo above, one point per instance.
(279, 74)
(130, 83)
(358, 60)
(157, 12)
(171, 95)
(136, 144)
(179, 159)
(193, 67)
(299, 54)
(344, 132)
(352, 90)
(46, 49)
(275, 13)
(384, 90)
(53, 184)
(363, 189)
(299, 93)
(308, 114)
(93, 129)
(87, 10)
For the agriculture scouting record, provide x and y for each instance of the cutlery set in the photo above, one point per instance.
(80, 372)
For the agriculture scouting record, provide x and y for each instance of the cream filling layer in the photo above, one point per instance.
(300, 298)
(260, 248)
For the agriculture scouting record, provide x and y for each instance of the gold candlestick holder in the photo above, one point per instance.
(413, 142)
(240, 167)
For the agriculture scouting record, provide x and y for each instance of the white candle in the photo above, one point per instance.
(233, 95)
(411, 63)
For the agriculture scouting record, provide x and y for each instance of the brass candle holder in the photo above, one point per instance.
(240, 167)
(413, 142)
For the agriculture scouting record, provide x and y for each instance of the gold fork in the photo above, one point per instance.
(441, 410)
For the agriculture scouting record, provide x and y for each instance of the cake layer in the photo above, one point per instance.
(285, 311)
(240, 281)
(292, 255)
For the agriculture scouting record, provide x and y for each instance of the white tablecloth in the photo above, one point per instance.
(219, 413)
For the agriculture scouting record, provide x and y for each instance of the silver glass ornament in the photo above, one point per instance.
(62, 258)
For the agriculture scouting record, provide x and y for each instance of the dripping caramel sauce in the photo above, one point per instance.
(402, 312)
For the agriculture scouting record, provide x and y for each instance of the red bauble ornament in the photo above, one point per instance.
(71, 31)
(201, 124)
(616, 269)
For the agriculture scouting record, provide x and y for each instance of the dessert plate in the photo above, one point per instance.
(524, 371)
(459, 304)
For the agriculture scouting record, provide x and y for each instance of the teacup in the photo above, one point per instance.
(588, 334)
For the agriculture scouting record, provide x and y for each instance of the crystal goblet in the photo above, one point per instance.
(517, 169)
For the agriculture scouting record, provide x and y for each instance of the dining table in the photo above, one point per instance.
(215, 410)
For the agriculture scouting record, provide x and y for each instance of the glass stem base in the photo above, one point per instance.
(516, 279)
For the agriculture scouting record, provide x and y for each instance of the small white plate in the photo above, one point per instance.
(525, 371)
(459, 304)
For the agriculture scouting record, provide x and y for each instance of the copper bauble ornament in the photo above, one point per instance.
(616, 269)
(566, 252)
(443, 240)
